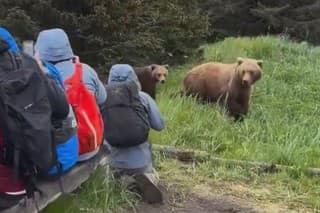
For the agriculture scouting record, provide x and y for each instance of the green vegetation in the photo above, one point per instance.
(282, 127)
(99, 194)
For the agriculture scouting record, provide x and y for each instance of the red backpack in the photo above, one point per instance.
(89, 119)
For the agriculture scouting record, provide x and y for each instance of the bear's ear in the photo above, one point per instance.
(260, 62)
(240, 60)
(166, 66)
(153, 67)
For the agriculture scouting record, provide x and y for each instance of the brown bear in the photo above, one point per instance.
(149, 76)
(227, 84)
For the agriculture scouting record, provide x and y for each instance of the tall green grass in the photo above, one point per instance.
(282, 126)
(283, 122)
(100, 194)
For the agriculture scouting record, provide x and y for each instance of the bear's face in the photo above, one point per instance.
(159, 73)
(250, 71)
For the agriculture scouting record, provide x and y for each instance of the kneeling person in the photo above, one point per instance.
(129, 114)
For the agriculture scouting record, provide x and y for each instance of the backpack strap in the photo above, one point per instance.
(4, 46)
(76, 78)
(76, 60)
(78, 70)
(130, 88)
(16, 60)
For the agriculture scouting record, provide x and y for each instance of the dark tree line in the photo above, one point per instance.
(104, 32)
(299, 19)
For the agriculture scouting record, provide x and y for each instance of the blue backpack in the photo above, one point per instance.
(67, 149)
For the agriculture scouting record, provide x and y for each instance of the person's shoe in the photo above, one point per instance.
(149, 191)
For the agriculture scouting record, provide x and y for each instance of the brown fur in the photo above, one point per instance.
(149, 76)
(228, 84)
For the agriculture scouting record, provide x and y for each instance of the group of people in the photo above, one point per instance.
(53, 84)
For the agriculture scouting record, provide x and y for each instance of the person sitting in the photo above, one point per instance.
(53, 46)
(10, 192)
(37, 151)
(129, 114)
(65, 131)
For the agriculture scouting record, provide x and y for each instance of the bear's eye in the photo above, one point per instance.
(252, 73)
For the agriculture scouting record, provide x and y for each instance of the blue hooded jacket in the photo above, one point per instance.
(9, 39)
(136, 157)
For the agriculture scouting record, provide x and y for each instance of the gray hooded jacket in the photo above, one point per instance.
(53, 46)
(137, 157)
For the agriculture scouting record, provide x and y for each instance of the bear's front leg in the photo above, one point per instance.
(238, 118)
(238, 111)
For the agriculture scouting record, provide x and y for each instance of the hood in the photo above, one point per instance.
(53, 45)
(122, 73)
(8, 38)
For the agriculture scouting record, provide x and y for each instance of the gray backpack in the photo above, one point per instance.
(125, 119)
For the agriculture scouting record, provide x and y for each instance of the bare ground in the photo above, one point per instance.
(189, 203)
(202, 200)
(183, 193)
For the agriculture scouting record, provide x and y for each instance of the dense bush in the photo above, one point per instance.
(112, 31)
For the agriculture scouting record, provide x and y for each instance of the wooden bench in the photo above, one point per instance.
(70, 181)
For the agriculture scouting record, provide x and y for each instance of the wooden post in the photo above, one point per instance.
(201, 156)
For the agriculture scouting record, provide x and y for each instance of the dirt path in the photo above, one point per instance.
(200, 201)
(185, 190)
(195, 202)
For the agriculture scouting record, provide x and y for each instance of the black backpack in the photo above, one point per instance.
(25, 114)
(125, 118)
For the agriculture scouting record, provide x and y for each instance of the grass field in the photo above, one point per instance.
(282, 126)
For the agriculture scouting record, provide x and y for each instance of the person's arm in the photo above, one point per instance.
(101, 94)
(155, 117)
(96, 85)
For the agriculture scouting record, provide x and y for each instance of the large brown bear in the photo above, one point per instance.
(149, 76)
(228, 84)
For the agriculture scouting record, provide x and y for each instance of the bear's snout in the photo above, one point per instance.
(245, 82)
(162, 79)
